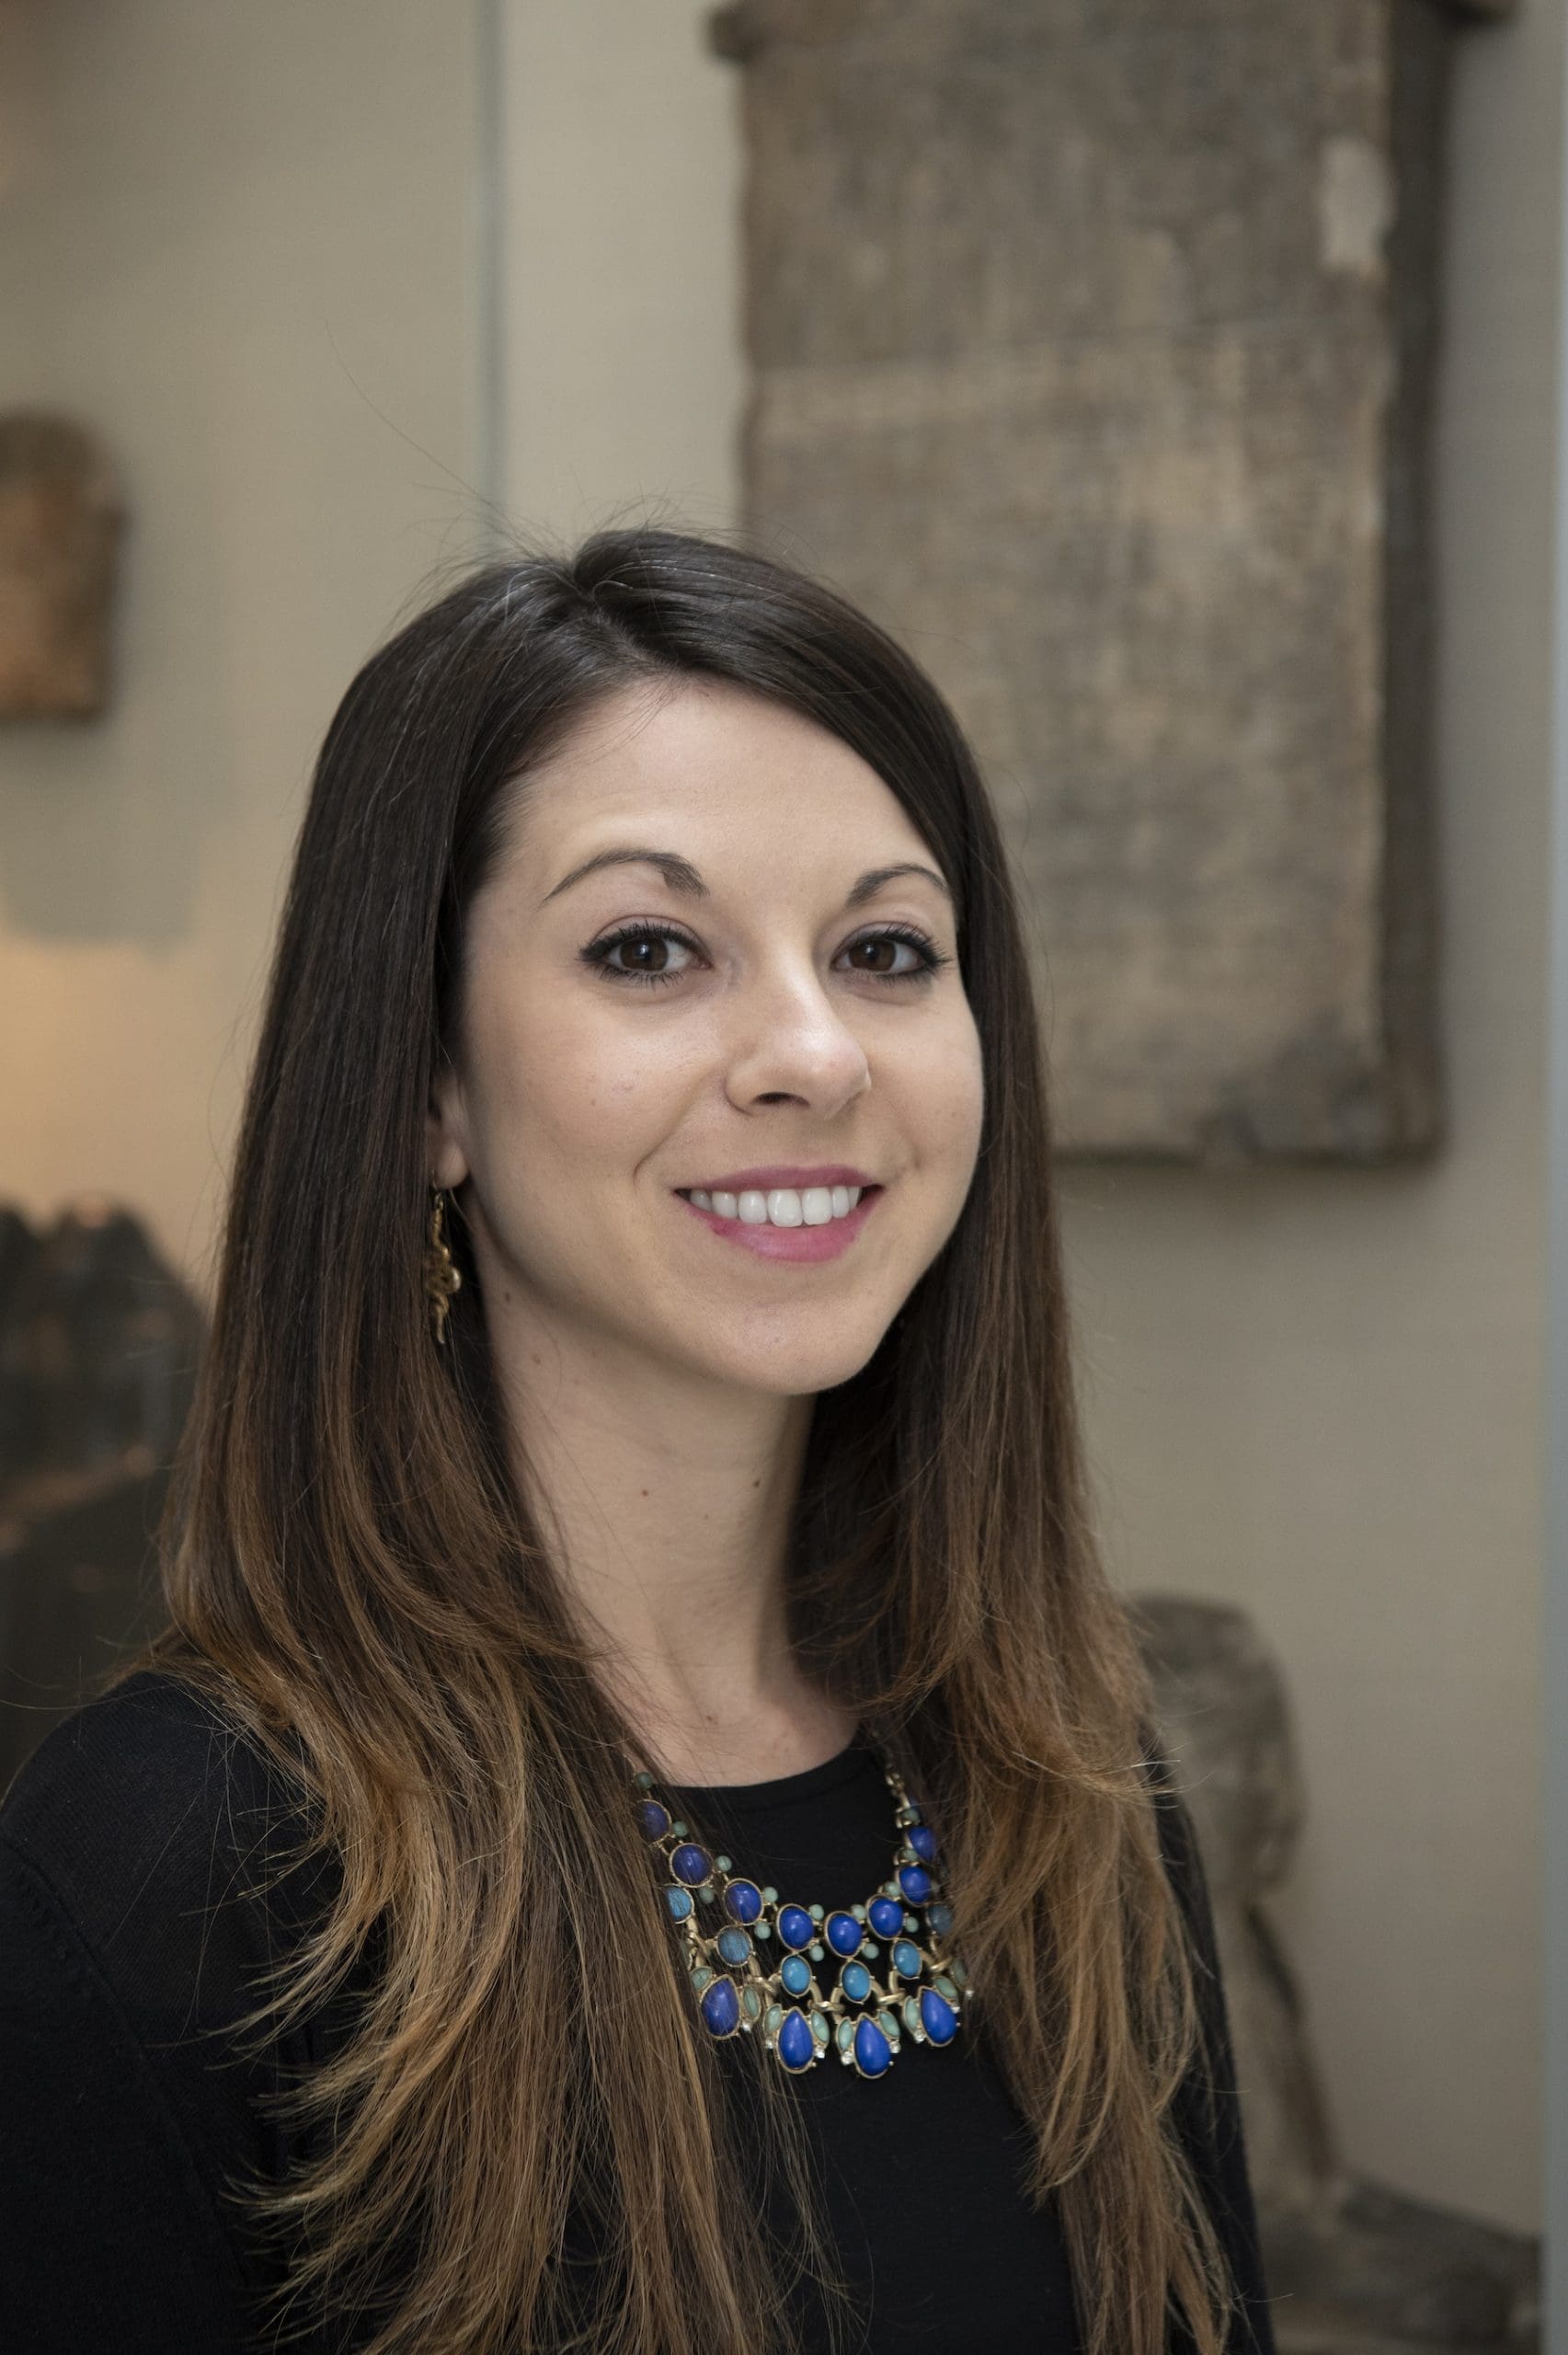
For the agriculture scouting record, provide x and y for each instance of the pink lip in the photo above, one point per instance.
(824, 1173)
(768, 1242)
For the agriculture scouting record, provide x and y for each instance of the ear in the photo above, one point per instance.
(446, 1129)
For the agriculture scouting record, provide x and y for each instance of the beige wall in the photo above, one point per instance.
(1321, 1396)
(1317, 1395)
(622, 289)
(236, 241)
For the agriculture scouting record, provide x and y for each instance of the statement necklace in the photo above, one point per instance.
(754, 1967)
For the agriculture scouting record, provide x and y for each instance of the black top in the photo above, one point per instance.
(121, 2111)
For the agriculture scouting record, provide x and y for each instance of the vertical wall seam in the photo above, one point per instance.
(487, 210)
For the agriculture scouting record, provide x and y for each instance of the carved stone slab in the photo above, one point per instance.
(59, 525)
(1091, 346)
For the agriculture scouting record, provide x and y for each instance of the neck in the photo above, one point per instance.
(667, 1510)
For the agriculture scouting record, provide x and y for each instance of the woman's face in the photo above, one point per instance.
(753, 1013)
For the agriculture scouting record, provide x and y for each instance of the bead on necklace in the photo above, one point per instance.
(753, 1970)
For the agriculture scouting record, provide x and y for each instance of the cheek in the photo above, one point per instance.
(575, 1094)
(945, 1102)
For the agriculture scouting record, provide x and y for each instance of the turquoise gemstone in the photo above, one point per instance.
(907, 1960)
(940, 1916)
(796, 1927)
(843, 1933)
(751, 2001)
(872, 2053)
(679, 1901)
(691, 1864)
(938, 2019)
(721, 2007)
(913, 1880)
(734, 1947)
(797, 2045)
(855, 1980)
(886, 1916)
(795, 1974)
(944, 1986)
(819, 2026)
(843, 2035)
(742, 1901)
(911, 2012)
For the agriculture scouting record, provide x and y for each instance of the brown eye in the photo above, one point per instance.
(647, 949)
(884, 950)
(884, 945)
(648, 953)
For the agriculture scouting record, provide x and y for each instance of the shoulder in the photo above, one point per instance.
(149, 1830)
(135, 1935)
(149, 1740)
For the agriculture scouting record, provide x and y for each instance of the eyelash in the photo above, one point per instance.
(599, 953)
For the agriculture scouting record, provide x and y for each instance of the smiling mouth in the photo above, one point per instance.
(781, 1206)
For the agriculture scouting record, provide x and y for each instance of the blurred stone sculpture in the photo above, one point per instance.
(60, 519)
(98, 1343)
(1353, 2270)
(1092, 347)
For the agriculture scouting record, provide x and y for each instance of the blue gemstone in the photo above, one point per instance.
(721, 2006)
(742, 1901)
(654, 1819)
(844, 1933)
(938, 2019)
(907, 1960)
(796, 1927)
(734, 1946)
(886, 1916)
(691, 1862)
(922, 1840)
(873, 2052)
(855, 1980)
(796, 2046)
(795, 1974)
(913, 1880)
(679, 1901)
(941, 1918)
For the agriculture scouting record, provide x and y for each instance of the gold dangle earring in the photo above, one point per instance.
(441, 1278)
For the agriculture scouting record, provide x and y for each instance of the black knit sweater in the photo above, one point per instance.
(131, 1929)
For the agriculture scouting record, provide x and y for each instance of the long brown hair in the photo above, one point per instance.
(353, 1575)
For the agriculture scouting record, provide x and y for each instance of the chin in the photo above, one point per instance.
(796, 1366)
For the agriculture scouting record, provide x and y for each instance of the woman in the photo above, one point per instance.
(640, 1699)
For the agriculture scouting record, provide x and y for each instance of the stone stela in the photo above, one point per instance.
(1093, 349)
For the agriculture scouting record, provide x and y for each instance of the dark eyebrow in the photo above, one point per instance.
(681, 876)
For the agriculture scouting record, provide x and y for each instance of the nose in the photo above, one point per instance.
(790, 1038)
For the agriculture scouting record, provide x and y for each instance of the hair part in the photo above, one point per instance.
(353, 1574)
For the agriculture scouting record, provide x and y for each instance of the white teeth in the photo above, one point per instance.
(782, 1205)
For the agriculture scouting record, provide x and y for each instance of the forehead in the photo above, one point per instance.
(736, 767)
